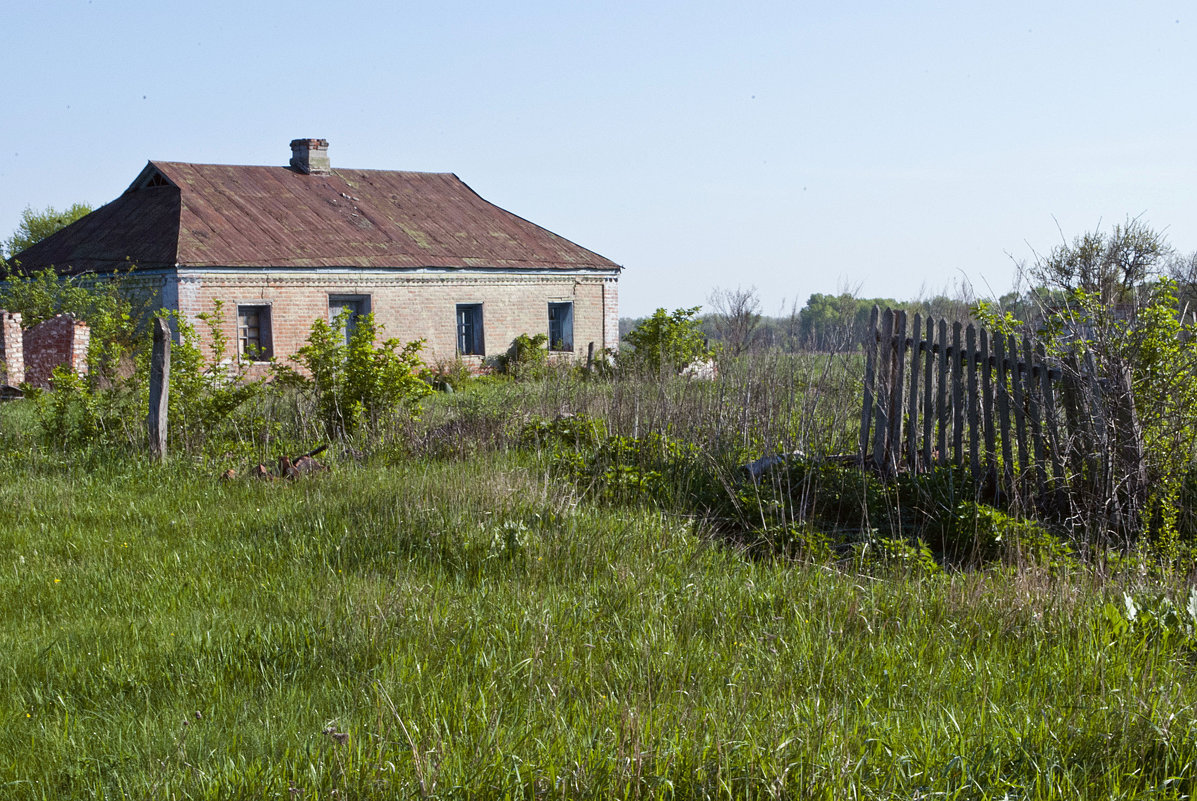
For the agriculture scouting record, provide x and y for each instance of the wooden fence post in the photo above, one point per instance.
(156, 420)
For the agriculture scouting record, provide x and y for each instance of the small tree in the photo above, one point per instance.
(667, 341)
(736, 314)
(1106, 298)
(37, 225)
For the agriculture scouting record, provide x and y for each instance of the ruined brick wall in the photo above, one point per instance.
(12, 351)
(61, 340)
(409, 306)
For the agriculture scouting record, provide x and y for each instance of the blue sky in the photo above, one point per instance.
(890, 148)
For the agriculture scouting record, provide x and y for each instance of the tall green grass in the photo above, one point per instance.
(465, 626)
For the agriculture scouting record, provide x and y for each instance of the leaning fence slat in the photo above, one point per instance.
(866, 414)
(942, 409)
(928, 392)
(957, 397)
(1003, 404)
(1034, 407)
(884, 375)
(1051, 419)
(987, 407)
(912, 406)
(1081, 456)
(974, 405)
(899, 374)
(1020, 420)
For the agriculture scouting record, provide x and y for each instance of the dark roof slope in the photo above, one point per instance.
(206, 215)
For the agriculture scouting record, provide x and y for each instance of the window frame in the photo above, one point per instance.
(477, 344)
(363, 307)
(567, 324)
(265, 336)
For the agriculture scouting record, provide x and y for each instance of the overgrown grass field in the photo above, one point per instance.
(452, 617)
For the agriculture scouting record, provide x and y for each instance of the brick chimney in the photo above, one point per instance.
(310, 156)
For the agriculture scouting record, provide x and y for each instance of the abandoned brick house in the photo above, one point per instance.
(283, 246)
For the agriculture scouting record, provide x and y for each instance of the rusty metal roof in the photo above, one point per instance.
(209, 215)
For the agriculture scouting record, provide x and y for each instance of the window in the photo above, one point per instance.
(561, 326)
(353, 306)
(469, 329)
(253, 333)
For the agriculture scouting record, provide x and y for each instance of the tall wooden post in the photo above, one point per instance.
(159, 389)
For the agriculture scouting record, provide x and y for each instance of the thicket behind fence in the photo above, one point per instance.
(1042, 433)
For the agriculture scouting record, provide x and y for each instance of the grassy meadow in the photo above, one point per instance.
(464, 608)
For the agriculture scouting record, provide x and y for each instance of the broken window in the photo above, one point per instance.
(469, 329)
(253, 333)
(561, 326)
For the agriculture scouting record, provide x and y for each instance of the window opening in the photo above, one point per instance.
(253, 333)
(561, 326)
(353, 306)
(469, 329)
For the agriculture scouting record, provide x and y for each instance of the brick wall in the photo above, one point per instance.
(410, 306)
(61, 340)
(12, 351)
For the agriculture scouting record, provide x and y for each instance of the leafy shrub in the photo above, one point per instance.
(572, 431)
(447, 375)
(897, 554)
(356, 381)
(1152, 620)
(666, 341)
(528, 357)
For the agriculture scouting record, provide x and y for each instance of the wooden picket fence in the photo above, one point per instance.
(1027, 427)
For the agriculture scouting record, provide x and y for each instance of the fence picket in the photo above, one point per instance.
(1051, 417)
(1003, 403)
(894, 455)
(928, 392)
(884, 376)
(987, 408)
(957, 398)
(1020, 419)
(912, 407)
(942, 408)
(1034, 411)
(974, 406)
(866, 414)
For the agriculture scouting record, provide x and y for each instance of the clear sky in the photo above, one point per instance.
(889, 148)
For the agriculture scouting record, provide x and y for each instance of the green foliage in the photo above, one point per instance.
(1152, 620)
(666, 341)
(897, 555)
(527, 358)
(447, 375)
(358, 381)
(574, 431)
(204, 392)
(37, 225)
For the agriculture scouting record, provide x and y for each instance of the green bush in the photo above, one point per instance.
(666, 341)
(527, 358)
(357, 381)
